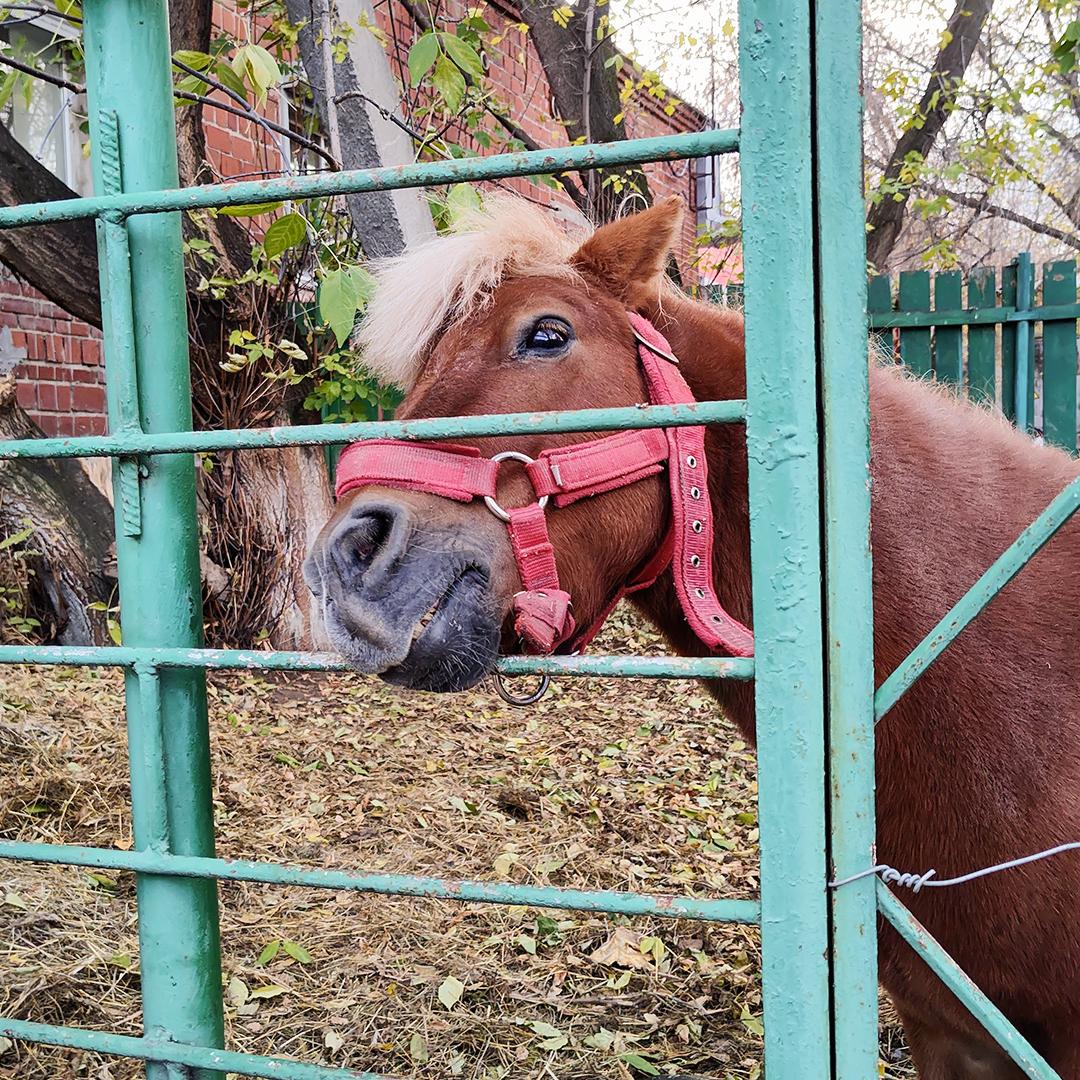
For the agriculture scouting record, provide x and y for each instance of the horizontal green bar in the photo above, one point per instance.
(543, 896)
(1011, 561)
(198, 1057)
(496, 167)
(648, 667)
(437, 427)
(888, 320)
(952, 975)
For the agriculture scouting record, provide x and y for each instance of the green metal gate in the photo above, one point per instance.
(809, 497)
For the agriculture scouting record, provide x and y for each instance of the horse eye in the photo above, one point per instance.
(548, 335)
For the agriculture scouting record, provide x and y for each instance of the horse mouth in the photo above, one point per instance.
(454, 643)
(425, 621)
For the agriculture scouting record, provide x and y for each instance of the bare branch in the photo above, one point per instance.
(44, 76)
(962, 32)
(982, 204)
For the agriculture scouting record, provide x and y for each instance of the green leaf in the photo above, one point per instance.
(752, 1023)
(364, 282)
(602, 1040)
(237, 992)
(528, 944)
(464, 55)
(460, 200)
(229, 78)
(422, 56)
(260, 68)
(450, 991)
(200, 61)
(297, 952)
(287, 232)
(120, 960)
(418, 1049)
(270, 950)
(271, 991)
(450, 83)
(249, 209)
(339, 300)
(7, 87)
(17, 538)
(639, 1064)
(540, 1027)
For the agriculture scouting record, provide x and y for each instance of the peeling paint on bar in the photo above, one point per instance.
(439, 427)
(651, 667)
(495, 167)
(197, 1057)
(482, 892)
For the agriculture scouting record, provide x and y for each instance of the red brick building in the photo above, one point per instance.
(58, 359)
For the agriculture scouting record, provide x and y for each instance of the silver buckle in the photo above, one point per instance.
(491, 504)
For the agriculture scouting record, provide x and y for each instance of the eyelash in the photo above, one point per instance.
(557, 328)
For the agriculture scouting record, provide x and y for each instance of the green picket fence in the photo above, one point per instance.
(1008, 339)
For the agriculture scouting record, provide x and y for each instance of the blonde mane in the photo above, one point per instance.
(441, 281)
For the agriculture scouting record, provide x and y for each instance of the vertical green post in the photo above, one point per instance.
(1059, 357)
(1008, 345)
(914, 295)
(949, 340)
(130, 102)
(982, 340)
(845, 398)
(1024, 393)
(782, 451)
(879, 302)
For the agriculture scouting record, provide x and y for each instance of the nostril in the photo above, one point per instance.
(367, 533)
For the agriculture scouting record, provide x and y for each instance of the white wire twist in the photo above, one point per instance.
(891, 876)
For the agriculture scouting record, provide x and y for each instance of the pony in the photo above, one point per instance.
(978, 763)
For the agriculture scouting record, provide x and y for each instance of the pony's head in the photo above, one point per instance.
(511, 313)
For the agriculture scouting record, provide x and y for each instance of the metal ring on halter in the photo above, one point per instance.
(498, 511)
(525, 699)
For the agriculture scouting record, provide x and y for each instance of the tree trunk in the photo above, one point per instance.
(886, 218)
(353, 113)
(59, 260)
(584, 81)
(69, 549)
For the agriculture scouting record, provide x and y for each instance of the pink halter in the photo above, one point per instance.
(542, 615)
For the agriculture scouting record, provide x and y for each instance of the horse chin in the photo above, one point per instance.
(448, 664)
(451, 646)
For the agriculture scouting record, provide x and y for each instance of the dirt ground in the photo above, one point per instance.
(625, 784)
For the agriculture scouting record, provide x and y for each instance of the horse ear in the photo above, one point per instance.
(629, 255)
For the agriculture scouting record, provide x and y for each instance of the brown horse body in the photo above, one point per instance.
(977, 764)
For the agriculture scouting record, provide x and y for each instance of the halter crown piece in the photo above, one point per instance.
(542, 615)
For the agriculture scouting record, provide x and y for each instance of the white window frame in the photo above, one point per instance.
(76, 173)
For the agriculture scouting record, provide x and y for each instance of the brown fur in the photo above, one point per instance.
(980, 761)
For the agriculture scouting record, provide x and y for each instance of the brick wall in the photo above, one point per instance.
(59, 371)
(60, 379)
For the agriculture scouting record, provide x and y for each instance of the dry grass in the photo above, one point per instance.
(605, 784)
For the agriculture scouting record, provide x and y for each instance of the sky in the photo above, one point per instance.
(693, 44)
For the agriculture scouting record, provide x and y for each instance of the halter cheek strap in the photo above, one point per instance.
(541, 610)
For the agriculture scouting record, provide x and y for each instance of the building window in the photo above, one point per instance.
(297, 113)
(44, 118)
(707, 193)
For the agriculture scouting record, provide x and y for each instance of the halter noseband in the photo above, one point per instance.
(542, 616)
